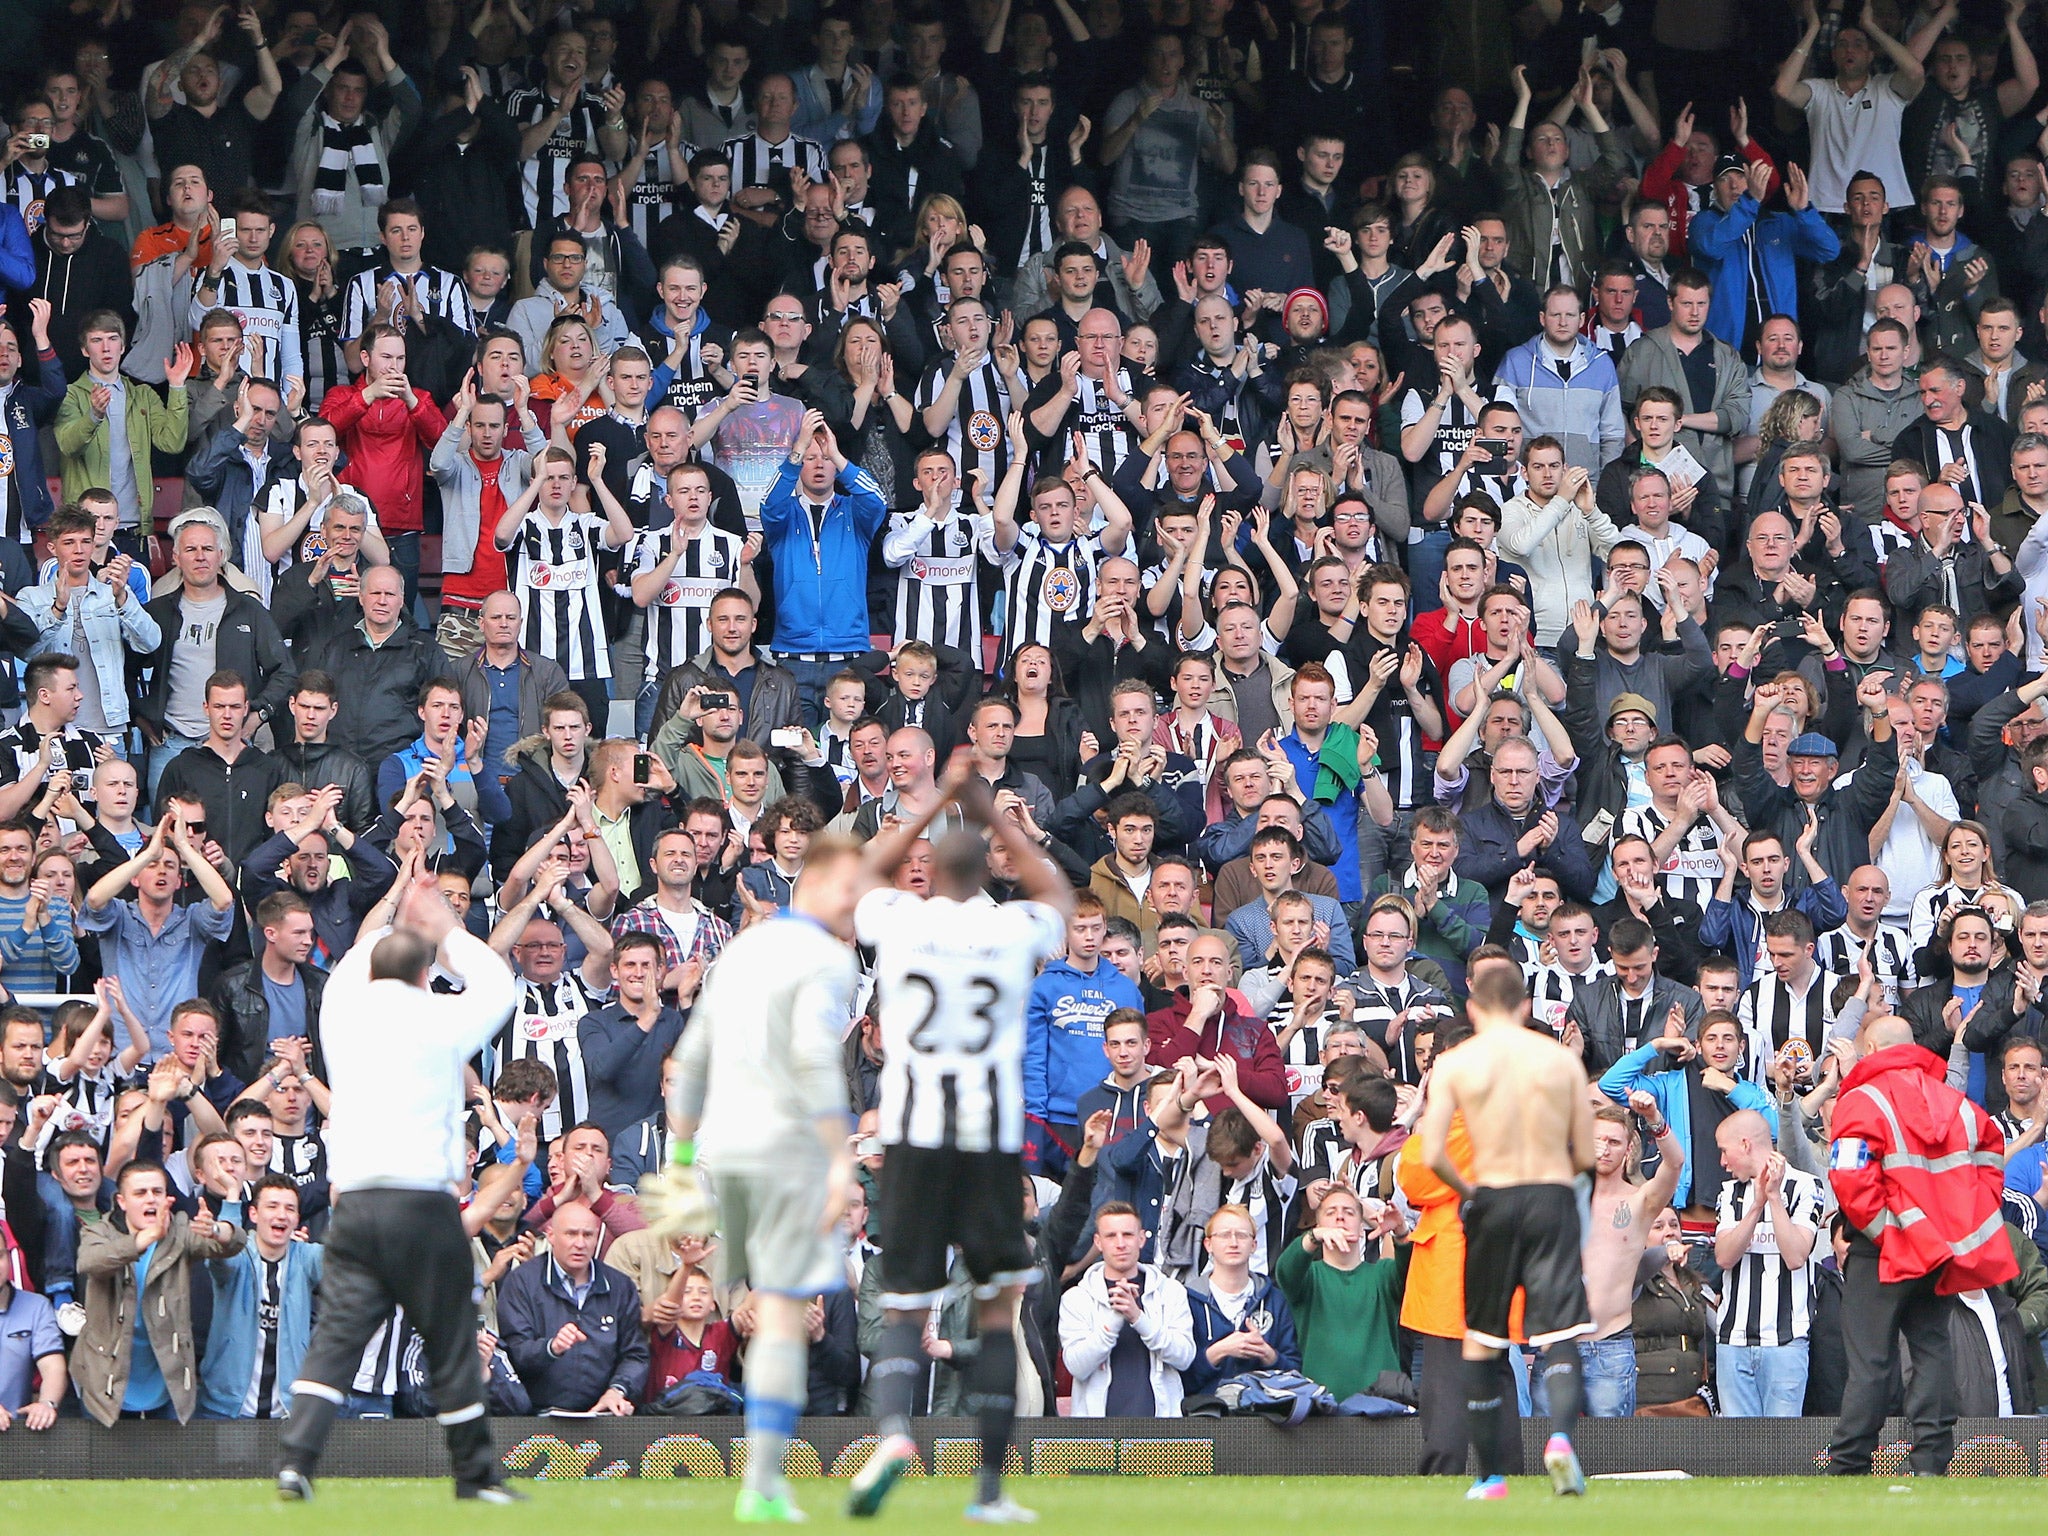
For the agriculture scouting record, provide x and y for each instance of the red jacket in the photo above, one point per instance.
(1919, 1170)
(1447, 640)
(1260, 1072)
(1660, 180)
(387, 448)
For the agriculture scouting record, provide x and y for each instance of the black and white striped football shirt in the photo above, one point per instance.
(679, 617)
(664, 182)
(1455, 429)
(24, 190)
(544, 173)
(543, 1029)
(1303, 1055)
(1102, 422)
(1841, 952)
(755, 161)
(440, 293)
(1763, 1302)
(267, 304)
(940, 576)
(976, 436)
(1376, 1004)
(377, 1375)
(691, 388)
(1553, 990)
(1046, 585)
(1774, 1016)
(320, 343)
(1404, 756)
(21, 744)
(1694, 867)
(554, 570)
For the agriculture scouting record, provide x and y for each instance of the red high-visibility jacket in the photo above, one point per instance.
(1919, 1170)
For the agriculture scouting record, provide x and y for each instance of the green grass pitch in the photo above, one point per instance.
(1081, 1505)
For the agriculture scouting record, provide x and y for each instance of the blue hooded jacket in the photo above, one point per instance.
(1063, 1035)
(1267, 1308)
(821, 595)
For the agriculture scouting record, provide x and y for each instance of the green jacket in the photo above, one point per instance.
(85, 445)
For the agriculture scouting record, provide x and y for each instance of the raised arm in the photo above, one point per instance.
(1790, 87)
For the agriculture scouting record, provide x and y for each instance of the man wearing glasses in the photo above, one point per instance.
(79, 270)
(561, 292)
(552, 998)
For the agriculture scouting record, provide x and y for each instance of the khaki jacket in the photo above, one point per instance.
(107, 1252)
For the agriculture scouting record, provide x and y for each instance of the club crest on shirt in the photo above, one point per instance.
(1062, 590)
(984, 431)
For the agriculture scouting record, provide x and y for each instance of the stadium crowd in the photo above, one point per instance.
(1369, 489)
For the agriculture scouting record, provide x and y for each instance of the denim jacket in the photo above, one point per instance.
(111, 631)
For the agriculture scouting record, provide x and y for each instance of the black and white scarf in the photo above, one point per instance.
(340, 147)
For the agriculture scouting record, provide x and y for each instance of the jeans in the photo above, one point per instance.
(161, 754)
(643, 708)
(1608, 1369)
(366, 1405)
(811, 678)
(1426, 568)
(405, 557)
(1761, 1381)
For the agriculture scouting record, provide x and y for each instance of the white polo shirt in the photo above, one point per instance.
(1855, 133)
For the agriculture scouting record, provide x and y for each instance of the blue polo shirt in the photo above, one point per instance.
(28, 1333)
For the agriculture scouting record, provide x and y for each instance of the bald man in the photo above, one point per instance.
(912, 764)
(1766, 1225)
(1776, 583)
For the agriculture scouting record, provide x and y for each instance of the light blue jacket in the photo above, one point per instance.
(1674, 1101)
(111, 631)
(1714, 241)
(1582, 412)
(234, 1338)
(821, 585)
(815, 118)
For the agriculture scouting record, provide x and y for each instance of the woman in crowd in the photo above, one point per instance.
(309, 263)
(1673, 1325)
(1048, 740)
(1794, 417)
(570, 386)
(1420, 221)
(1967, 879)
(878, 416)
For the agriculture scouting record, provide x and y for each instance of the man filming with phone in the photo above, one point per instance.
(751, 425)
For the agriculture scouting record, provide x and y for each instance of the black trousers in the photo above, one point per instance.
(386, 1248)
(1441, 1394)
(1875, 1316)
